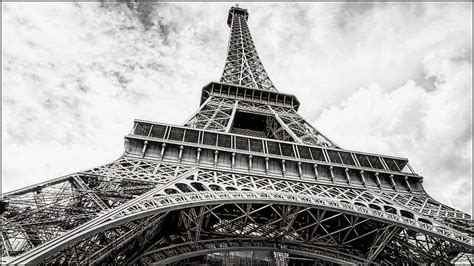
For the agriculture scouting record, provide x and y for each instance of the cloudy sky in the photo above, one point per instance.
(389, 78)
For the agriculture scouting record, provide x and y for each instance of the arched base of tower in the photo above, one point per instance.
(174, 223)
(254, 258)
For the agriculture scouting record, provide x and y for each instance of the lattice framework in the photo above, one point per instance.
(214, 185)
(243, 66)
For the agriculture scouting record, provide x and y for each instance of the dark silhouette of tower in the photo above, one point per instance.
(245, 180)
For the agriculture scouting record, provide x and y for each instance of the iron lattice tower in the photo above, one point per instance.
(244, 173)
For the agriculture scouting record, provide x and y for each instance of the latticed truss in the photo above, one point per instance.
(245, 173)
(203, 210)
(37, 214)
(239, 110)
(302, 131)
(214, 114)
(243, 66)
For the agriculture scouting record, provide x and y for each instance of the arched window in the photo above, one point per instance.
(171, 191)
(390, 209)
(374, 206)
(215, 188)
(198, 186)
(183, 187)
(424, 221)
(407, 214)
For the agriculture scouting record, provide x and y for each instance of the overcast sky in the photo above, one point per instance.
(389, 78)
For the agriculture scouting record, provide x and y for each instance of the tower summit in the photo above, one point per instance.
(235, 10)
(244, 180)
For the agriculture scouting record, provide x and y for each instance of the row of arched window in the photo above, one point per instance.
(196, 186)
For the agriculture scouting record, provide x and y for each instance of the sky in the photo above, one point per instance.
(389, 78)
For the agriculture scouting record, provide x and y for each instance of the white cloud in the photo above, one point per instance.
(431, 127)
(75, 75)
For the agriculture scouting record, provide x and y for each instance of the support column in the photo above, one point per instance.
(232, 115)
(285, 127)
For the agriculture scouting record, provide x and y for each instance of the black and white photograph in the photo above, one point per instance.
(140, 132)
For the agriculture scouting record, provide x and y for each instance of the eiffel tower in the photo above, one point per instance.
(244, 180)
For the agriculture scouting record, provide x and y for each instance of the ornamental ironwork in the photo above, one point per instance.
(245, 175)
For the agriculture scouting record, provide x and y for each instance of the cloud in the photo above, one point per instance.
(333, 49)
(431, 127)
(75, 75)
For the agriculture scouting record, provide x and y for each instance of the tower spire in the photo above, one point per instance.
(243, 66)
